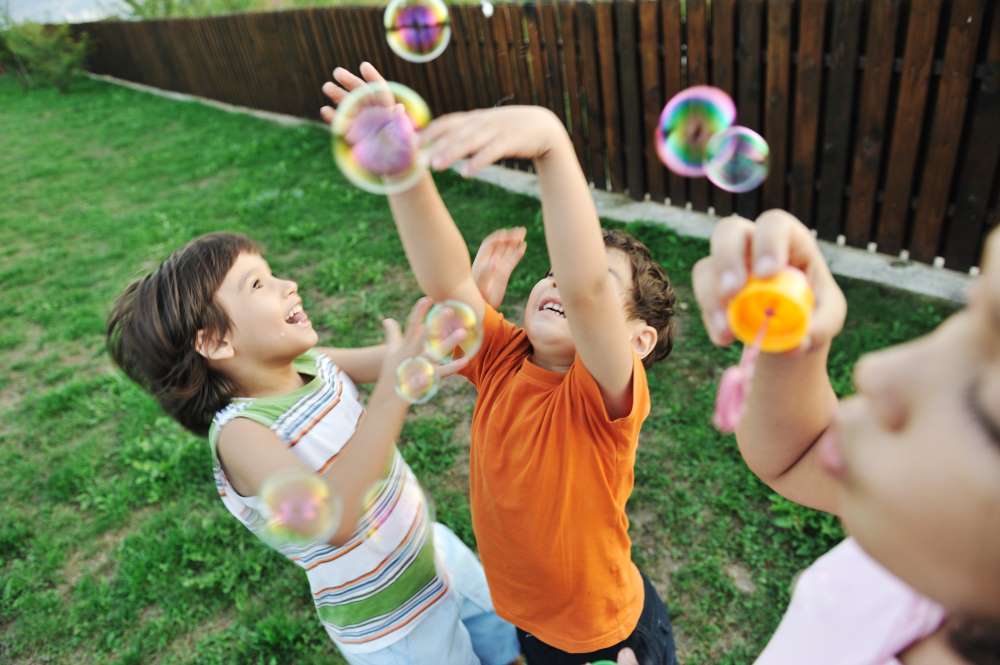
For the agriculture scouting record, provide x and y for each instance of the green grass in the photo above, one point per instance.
(114, 547)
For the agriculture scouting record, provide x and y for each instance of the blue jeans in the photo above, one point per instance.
(462, 628)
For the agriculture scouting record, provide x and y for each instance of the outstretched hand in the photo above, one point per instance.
(498, 255)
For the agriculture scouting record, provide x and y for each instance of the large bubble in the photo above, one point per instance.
(687, 122)
(375, 141)
(737, 159)
(299, 508)
(443, 320)
(417, 30)
(416, 380)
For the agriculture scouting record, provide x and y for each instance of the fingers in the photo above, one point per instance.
(441, 126)
(829, 314)
(711, 301)
(453, 367)
(730, 247)
(466, 141)
(417, 314)
(779, 241)
(327, 114)
(334, 92)
(392, 332)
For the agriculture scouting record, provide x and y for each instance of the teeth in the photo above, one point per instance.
(292, 312)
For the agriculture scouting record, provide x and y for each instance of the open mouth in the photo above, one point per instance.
(553, 306)
(296, 316)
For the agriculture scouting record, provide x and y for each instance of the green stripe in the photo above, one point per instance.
(414, 578)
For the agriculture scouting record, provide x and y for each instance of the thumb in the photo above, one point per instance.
(392, 332)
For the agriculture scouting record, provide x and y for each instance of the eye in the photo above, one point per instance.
(549, 274)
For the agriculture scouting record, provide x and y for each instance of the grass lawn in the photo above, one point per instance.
(114, 546)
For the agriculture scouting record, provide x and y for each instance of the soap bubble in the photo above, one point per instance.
(299, 509)
(737, 159)
(417, 30)
(375, 141)
(686, 124)
(441, 323)
(389, 508)
(416, 380)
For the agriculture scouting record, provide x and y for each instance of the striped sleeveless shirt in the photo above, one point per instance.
(372, 590)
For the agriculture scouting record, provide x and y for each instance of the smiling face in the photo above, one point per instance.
(269, 325)
(544, 315)
(917, 454)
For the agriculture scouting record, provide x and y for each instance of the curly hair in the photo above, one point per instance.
(653, 297)
(153, 327)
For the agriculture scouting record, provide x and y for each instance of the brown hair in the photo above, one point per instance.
(154, 324)
(976, 640)
(653, 298)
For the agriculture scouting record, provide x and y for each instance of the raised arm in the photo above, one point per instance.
(433, 244)
(791, 402)
(590, 294)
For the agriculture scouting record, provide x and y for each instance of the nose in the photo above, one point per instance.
(882, 378)
(291, 287)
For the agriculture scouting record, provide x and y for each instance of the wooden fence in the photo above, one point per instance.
(883, 116)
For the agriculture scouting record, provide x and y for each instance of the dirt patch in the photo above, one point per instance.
(97, 559)
(741, 578)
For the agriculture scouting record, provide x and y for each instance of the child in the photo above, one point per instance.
(911, 465)
(228, 351)
(561, 401)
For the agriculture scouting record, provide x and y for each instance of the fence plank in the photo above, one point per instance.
(959, 58)
(748, 72)
(536, 68)
(906, 129)
(723, 37)
(673, 79)
(631, 98)
(587, 37)
(808, 82)
(837, 125)
(652, 94)
(609, 93)
(968, 224)
(776, 125)
(880, 50)
(697, 62)
(573, 82)
(551, 56)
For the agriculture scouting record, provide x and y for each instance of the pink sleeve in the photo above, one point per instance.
(847, 608)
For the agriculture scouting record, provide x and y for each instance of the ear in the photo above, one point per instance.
(212, 348)
(644, 340)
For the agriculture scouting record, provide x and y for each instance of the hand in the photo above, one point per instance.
(399, 346)
(348, 82)
(487, 135)
(498, 255)
(777, 240)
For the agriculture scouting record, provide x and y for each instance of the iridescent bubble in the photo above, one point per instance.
(417, 30)
(416, 380)
(442, 321)
(687, 122)
(299, 509)
(390, 507)
(375, 137)
(737, 159)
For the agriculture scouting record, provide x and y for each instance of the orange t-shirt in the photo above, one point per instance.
(550, 474)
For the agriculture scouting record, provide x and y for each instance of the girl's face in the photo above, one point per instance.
(920, 450)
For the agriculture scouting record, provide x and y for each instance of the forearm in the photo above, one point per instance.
(434, 246)
(572, 227)
(362, 364)
(365, 458)
(791, 403)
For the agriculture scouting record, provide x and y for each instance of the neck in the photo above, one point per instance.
(267, 380)
(554, 362)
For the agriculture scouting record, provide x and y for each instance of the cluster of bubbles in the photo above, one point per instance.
(695, 137)
(416, 377)
(375, 142)
(299, 509)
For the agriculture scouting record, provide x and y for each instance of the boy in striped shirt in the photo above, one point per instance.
(227, 349)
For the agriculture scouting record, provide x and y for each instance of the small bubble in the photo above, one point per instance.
(442, 321)
(299, 509)
(417, 30)
(416, 380)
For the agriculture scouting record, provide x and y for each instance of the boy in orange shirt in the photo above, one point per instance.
(561, 401)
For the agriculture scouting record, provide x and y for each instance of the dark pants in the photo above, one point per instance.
(652, 640)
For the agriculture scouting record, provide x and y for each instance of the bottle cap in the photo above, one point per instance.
(789, 300)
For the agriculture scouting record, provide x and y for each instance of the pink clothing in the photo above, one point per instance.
(848, 610)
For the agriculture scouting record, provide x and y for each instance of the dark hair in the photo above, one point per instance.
(154, 324)
(653, 298)
(976, 640)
